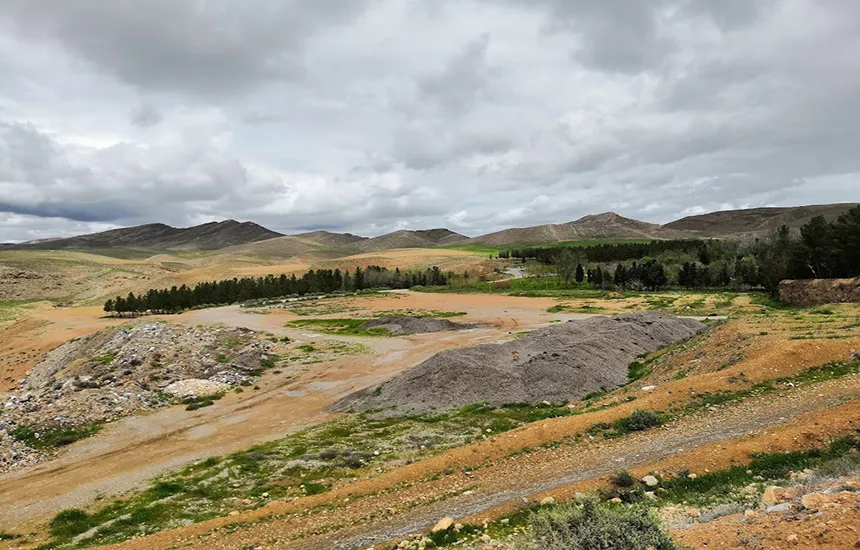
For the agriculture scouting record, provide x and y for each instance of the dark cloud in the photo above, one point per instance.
(209, 47)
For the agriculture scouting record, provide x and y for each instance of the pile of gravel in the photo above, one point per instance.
(399, 326)
(557, 363)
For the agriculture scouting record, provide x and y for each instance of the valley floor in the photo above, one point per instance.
(743, 387)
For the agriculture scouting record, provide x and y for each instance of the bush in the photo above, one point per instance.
(623, 480)
(640, 420)
(69, 523)
(593, 525)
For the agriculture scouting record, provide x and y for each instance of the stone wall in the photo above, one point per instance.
(815, 292)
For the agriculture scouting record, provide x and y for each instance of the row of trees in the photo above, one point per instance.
(231, 291)
(821, 249)
(619, 252)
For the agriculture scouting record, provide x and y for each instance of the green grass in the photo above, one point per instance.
(104, 358)
(49, 438)
(340, 327)
(12, 309)
(7, 536)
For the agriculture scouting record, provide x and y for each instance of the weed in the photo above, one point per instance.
(45, 437)
(104, 358)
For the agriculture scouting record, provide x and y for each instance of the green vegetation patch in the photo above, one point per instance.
(48, 438)
(593, 525)
(339, 327)
(418, 313)
(639, 420)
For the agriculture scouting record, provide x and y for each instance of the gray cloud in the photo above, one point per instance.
(377, 115)
(205, 47)
(145, 115)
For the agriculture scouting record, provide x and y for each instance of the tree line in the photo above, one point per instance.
(617, 252)
(821, 249)
(231, 291)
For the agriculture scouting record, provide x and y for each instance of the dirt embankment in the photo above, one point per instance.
(558, 363)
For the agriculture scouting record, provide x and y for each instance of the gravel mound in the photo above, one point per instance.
(557, 363)
(126, 371)
(399, 326)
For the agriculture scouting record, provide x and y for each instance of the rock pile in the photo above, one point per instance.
(125, 371)
(557, 363)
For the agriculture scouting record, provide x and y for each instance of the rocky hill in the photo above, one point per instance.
(329, 239)
(425, 238)
(208, 236)
(606, 225)
(754, 220)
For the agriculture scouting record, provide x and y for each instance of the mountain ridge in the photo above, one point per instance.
(246, 237)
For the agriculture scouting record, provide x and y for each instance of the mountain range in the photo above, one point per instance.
(249, 238)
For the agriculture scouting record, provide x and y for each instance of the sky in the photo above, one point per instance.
(370, 116)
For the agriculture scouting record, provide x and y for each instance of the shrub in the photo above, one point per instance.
(69, 523)
(597, 526)
(640, 420)
(623, 480)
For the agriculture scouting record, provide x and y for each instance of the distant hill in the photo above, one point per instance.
(208, 236)
(251, 239)
(335, 240)
(424, 238)
(729, 223)
(606, 225)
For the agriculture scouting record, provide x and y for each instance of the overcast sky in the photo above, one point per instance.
(375, 115)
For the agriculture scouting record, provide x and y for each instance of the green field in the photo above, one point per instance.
(495, 249)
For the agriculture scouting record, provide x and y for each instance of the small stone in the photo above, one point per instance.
(616, 500)
(548, 501)
(784, 507)
(791, 538)
(504, 521)
(692, 476)
(772, 495)
(234, 513)
(650, 495)
(485, 538)
(650, 481)
(694, 512)
(443, 524)
(749, 514)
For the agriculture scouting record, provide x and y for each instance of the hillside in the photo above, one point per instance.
(329, 239)
(606, 225)
(754, 220)
(425, 238)
(208, 236)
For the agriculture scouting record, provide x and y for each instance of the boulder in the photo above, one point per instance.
(650, 481)
(443, 525)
